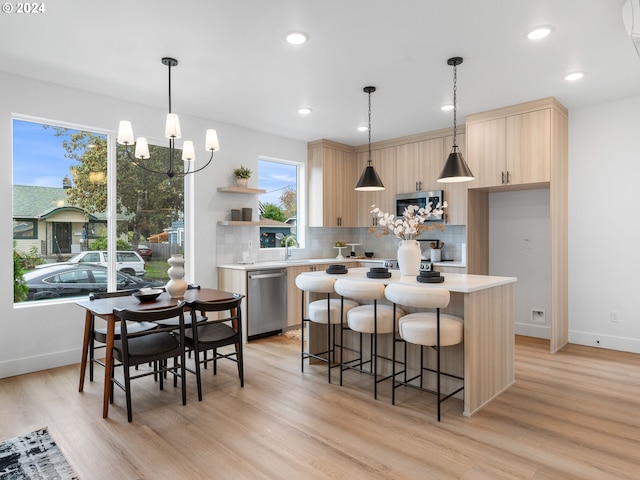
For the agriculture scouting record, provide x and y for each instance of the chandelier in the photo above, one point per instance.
(172, 132)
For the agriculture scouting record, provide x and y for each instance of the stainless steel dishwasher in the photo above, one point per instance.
(266, 302)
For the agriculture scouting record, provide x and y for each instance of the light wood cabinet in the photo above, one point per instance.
(384, 161)
(527, 144)
(331, 174)
(510, 151)
(418, 165)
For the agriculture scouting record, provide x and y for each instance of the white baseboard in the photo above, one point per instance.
(623, 344)
(530, 330)
(36, 363)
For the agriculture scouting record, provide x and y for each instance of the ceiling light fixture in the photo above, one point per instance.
(172, 132)
(363, 128)
(296, 38)
(446, 108)
(455, 168)
(304, 110)
(369, 180)
(539, 33)
(572, 77)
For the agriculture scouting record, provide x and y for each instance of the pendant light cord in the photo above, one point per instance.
(369, 162)
(455, 103)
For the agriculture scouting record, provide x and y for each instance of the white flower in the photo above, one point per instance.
(411, 224)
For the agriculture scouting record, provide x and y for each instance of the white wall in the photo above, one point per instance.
(35, 337)
(604, 224)
(519, 246)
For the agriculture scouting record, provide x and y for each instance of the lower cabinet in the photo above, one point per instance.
(235, 280)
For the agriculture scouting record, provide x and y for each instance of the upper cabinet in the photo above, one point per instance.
(512, 147)
(384, 162)
(331, 174)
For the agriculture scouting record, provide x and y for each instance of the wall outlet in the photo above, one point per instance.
(250, 244)
(614, 316)
(538, 316)
(526, 243)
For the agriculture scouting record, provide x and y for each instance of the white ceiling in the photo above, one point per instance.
(235, 66)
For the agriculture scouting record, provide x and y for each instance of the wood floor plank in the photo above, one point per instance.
(570, 415)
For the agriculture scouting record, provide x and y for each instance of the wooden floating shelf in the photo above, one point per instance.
(252, 191)
(240, 223)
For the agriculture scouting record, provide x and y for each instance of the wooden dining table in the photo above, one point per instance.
(104, 307)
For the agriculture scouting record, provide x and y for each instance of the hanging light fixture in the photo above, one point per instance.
(369, 180)
(455, 168)
(172, 132)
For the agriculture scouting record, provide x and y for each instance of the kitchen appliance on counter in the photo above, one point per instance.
(266, 302)
(425, 265)
(421, 199)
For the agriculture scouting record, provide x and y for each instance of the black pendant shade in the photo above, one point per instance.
(369, 180)
(455, 168)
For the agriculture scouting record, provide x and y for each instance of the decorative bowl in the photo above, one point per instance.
(147, 294)
(368, 254)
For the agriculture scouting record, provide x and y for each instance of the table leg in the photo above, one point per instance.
(85, 348)
(108, 365)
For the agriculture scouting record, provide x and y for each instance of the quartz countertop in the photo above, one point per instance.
(299, 262)
(454, 282)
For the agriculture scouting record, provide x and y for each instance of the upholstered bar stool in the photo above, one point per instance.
(372, 319)
(426, 329)
(325, 311)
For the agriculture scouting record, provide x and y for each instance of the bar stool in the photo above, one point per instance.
(372, 319)
(426, 329)
(322, 311)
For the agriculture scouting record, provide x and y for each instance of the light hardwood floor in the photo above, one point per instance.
(570, 415)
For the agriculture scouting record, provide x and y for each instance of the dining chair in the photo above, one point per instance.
(154, 347)
(221, 329)
(99, 335)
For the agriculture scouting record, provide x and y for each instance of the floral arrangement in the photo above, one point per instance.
(242, 172)
(411, 224)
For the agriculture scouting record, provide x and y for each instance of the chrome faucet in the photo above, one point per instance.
(287, 253)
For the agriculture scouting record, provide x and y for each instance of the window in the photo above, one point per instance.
(25, 229)
(279, 206)
(60, 202)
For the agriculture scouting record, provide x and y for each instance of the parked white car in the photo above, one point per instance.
(126, 261)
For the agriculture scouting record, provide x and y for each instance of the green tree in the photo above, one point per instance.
(151, 200)
(274, 212)
(289, 201)
(20, 288)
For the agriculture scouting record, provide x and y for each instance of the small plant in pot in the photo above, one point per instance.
(242, 175)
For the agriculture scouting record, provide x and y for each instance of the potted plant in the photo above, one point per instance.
(242, 175)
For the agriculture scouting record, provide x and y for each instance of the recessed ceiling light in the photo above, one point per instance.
(572, 77)
(296, 38)
(446, 108)
(538, 33)
(304, 110)
(363, 128)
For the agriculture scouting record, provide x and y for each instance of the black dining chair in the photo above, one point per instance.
(154, 347)
(99, 334)
(219, 330)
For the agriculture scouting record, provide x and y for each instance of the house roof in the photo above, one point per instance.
(43, 202)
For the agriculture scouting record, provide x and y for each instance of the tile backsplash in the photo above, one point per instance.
(236, 242)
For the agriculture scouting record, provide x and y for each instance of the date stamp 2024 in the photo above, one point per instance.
(23, 8)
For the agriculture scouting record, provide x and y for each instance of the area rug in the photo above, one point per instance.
(33, 456)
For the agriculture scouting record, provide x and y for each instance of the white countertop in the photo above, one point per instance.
(454, 282)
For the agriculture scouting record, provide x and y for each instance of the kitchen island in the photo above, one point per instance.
(486, 357)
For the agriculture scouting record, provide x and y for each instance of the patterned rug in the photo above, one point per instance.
(33, 456)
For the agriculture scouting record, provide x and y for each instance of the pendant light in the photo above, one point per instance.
(369, 180)
(455, 168)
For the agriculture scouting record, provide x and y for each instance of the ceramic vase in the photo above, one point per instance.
(177, 285)
(409, 255)
(242, 182)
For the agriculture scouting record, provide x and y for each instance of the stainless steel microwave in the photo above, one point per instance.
(421, 199)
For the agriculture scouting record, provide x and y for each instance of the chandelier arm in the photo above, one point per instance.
(137, 164)
(188, 172)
